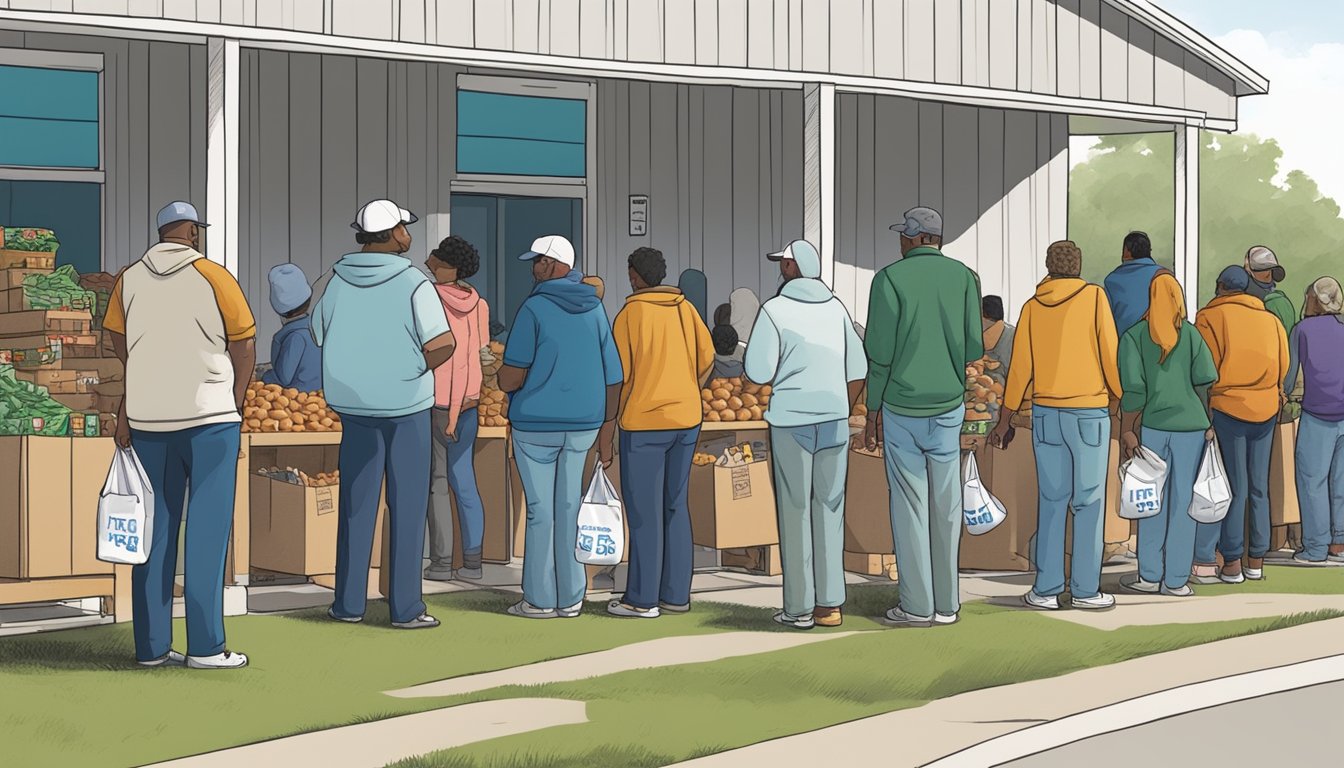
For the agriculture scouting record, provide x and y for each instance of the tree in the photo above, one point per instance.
(1128, 183)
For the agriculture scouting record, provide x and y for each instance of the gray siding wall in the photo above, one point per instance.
(1078, 48)
(1000, 179)
(154, 107)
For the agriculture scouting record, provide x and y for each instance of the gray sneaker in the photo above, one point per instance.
(470, 574)
(796, 622)
(672, 608)
(423, 621)
(1183, 591)
(1338, 558)
(1098, 602)
(946, 619)
(439, 573)
(331, 614)
(898, 616)
(1040, 602)
(1135, 583)
(572, 612)
(170, 659)
(624, 611)
(527, 610)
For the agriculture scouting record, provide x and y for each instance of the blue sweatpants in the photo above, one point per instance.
(655, 480)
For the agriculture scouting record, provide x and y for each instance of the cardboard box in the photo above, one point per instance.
(1283, 505)
(293, 527)
(867, 505)
(763, 561)
(733, 507)
(46, 322)
(1010, 475)
(61, 382)
(871, 564)
(90, 459)
(19, 300)
(35, 516)
(106, 369)
(40, 339)
(77, 402)
(13, 278)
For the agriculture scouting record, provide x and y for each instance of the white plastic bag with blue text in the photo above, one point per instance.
(601, 534)
(125, 511)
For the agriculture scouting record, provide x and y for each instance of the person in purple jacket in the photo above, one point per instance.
(1317, 347)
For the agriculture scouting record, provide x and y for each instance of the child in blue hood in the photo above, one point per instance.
(296, 360)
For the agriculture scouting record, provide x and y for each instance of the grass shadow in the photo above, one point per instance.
(108, 650)
(628, 756)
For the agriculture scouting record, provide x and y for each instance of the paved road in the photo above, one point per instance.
(1300, 726)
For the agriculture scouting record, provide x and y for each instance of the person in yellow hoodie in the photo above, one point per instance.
(1250, 350)
(1065, 353)
(667, 354)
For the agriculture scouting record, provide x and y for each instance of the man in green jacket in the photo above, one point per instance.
(923, 329)
(1266, 274)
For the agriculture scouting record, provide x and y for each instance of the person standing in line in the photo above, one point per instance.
(296, 361)
(1250, 350)
(1127, 287)
(726, 364)
(743, 307)
(924, 327)
(383, 332)
(695, 287)
(599, 287)
(667, 356)
(563, 376)
(1065, 353)
(1266, 274)
(998, 334)
(804, 346)
(1163, 362)
(454, 420)
(182, 329)
(1317, 350)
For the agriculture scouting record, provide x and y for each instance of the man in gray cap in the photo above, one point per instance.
(296, 360)
(1266, 274)
(923, 330)
(180, 324)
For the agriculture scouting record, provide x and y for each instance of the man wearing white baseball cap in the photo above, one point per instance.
(803, 344)
(563, 375)
(383, 331)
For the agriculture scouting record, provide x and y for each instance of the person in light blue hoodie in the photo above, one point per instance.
(563, 376)
(383, 331)
(804, 345)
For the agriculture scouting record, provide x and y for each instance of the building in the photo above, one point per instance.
(712, 129)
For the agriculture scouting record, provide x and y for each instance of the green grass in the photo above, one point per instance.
(1284, 580)
(660, 717)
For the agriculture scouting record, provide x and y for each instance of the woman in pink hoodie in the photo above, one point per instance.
(457, 393)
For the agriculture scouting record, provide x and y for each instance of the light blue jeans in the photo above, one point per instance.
(1072, 447)
(550, 465)
(809, 472)
(1167, 540)
(923, 457)
(1320, 484)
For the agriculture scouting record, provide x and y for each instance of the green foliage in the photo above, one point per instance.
(1129, 183)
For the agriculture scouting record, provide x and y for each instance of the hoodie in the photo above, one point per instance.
(1065, 351)
(1250, 350)
(1127, 290)
(179, 312)
(562, 337)
(804, 346)
(373, 321)
(666, 353)
(458, 381)
(1279, 305)
(296, 360)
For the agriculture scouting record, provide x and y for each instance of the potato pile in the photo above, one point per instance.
(734, 399)
(494, 409)
(492, 359)
(702, 459)
(269, 408)
(984, 389)
(858, 418)
(320, 480)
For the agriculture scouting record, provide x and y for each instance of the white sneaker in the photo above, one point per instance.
(1233, 578)
(946, 619)
(225, 660)
(331, 614)
(1254, 574)
(1184, 591)
(617, 608)
(1135, 583)
(170, 659)
(1100, 602)
(529, 611)
(797, 622)
(900, 617)
(423, 621)
(1040, 602)
(572, 612)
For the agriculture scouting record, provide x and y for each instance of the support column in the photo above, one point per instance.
(1187, 214)
(221, 150)
(819, 174)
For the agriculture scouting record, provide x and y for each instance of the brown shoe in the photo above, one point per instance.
(827, 617)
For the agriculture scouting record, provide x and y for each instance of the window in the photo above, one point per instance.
(514, 135)
(48, 117)
(73, 210)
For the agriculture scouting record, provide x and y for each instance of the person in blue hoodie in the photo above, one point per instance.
(1127, 286)
(563, 376)
(383, 331)
(296, 360)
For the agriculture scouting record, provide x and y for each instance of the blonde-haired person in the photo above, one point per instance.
(1163, 363)
(1317, 349)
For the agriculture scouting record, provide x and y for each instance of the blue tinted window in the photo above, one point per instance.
(521, 135)
(48, 117)
(73, 210)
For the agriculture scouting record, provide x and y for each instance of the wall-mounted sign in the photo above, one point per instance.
(639, 215)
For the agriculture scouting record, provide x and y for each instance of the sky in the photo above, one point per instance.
(1299, 46)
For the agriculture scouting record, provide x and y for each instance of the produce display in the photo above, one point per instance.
(26, 409)
(101, 285)
(734, 399)
(702, 459)
(492, 359)
(59, 290)
(494, 408)
(984, 394)
(28, 247)
(270, 408)
(299, 477)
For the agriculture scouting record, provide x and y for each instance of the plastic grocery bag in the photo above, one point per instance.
(982, 511)
(601, 538)
(125, 511)
(1213, 494)
(1142, 479)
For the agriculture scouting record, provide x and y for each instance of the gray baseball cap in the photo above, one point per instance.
(920, 221)
(179, 211)
(1261, 259)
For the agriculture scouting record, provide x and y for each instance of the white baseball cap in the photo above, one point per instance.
(551, 246)
(382, 215)
(801, 253)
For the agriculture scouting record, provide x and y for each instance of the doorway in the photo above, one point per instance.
(502, 227)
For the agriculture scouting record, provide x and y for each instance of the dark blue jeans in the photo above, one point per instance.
(1246, 456)
(197, 468)
(655, 478)
(373, 449)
